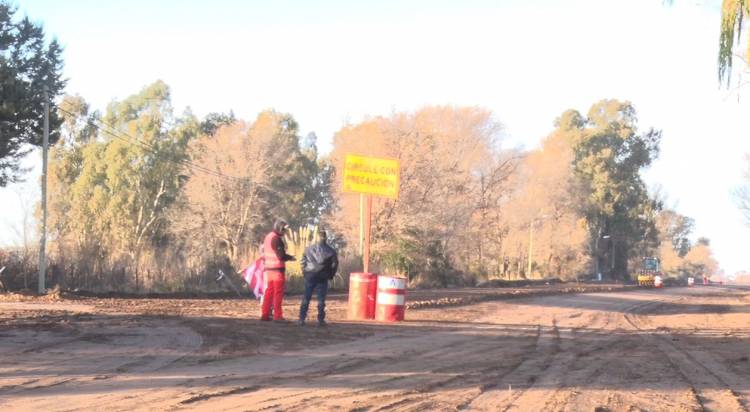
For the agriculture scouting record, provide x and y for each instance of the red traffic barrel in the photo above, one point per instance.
(391, 300)
(362, 287)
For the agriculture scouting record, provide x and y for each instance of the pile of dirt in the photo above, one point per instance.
(510, 294)
(502, 283)
(54, 295)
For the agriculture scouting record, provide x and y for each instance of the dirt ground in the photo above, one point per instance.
(523, 349)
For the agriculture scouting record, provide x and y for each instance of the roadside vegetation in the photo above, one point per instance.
(147, 197)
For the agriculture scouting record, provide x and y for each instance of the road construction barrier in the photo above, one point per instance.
(657, 282)
(691, 281)
(391, 299)
(362, 289)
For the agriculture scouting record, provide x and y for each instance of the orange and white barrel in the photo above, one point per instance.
(691, 281)
(390, 303)
(657, 281)
(362, 288)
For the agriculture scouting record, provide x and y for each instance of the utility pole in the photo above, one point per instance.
(531, 246)
(43, 241)
(596, 254)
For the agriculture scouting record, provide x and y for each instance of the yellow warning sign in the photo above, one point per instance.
(371, 175)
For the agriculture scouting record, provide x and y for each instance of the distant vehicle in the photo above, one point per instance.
(649, 271)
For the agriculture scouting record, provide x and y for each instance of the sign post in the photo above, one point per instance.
(370, 176)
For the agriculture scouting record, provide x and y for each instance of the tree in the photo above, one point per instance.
(544, 207)
(27, 65)
(742, 194)
(674, 230)
(115, 190)
(66, 228)
(674, 240)
(213, 121)
(609, 156)
(259, 172)
(453, 176)
(143, 171)
(733, 14)
(700, 260)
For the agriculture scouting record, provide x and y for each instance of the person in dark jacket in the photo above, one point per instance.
(319, 265)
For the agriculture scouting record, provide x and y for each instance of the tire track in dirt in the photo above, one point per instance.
(475, 374)
(549, 380)
(230, 392)
(537, 379)
(459, 358)
(710, 390)
(485, 384)
(444, 377)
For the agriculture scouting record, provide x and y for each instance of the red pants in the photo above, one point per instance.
(274, 294)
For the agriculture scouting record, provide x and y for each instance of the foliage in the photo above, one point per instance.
(213, 121)
(453, 178)
(733, 14)
(258, 173)
(27, 64)
(700, 260)
(297, 241)
(675, 230)
(742, 194)
(140, 197)
(544, 208)
(609, 156)
(112, 193)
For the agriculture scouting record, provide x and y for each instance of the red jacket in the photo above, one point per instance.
(274, 252)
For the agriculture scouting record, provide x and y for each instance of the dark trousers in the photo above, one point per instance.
(322, 287)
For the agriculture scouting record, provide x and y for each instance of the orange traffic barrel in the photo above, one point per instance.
(362, 287)
(657, 281)
(691, 281)
(391, 300)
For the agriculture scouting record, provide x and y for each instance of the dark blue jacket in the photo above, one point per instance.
(319, 262)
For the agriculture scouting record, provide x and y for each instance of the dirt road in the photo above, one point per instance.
(660, 350)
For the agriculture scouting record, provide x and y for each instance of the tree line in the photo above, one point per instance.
(144, 198)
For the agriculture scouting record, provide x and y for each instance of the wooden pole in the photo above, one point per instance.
(368, 230)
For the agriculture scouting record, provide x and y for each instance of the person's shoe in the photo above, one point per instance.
(282, 320)
(265, 319)
(322, 324)
(301, 322)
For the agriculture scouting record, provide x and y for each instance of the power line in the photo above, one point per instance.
(118, 134)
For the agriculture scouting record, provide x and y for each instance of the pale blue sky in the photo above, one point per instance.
(328, 62)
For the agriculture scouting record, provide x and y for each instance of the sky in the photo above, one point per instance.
(332, 62)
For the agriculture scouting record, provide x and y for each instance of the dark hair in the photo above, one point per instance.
(322, 234)
(280, 225)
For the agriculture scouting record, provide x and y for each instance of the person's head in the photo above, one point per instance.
(321, 236)
(280, 226)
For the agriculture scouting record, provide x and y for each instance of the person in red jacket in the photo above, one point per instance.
(274, 267)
